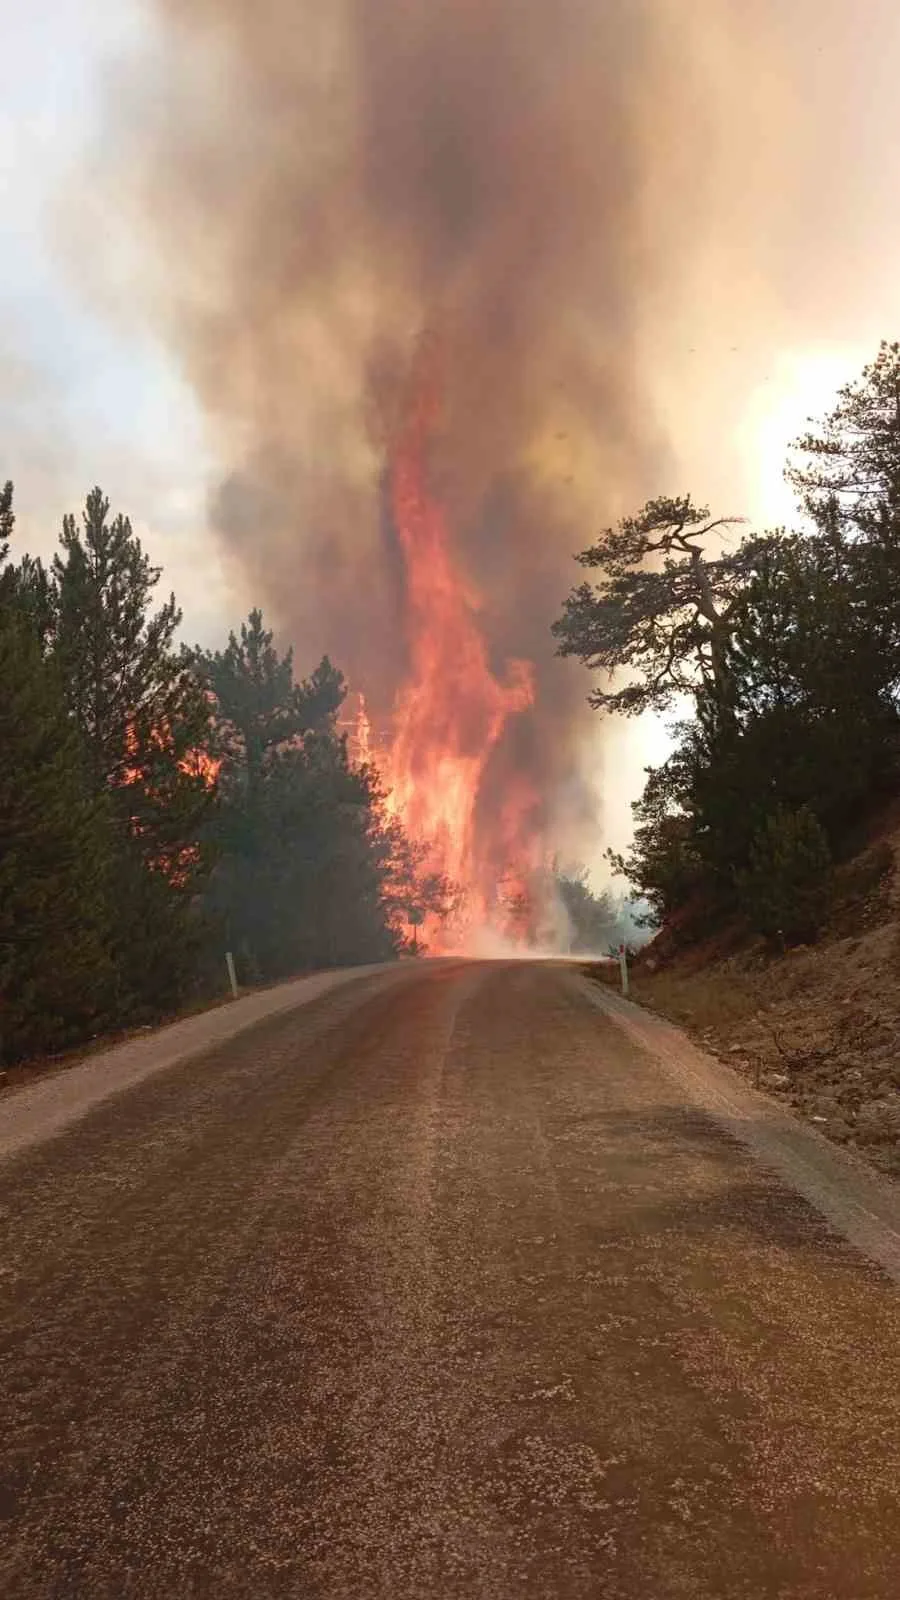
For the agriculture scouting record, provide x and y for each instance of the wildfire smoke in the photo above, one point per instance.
(405, 250)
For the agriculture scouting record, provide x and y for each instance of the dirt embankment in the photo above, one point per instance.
(818, 1027)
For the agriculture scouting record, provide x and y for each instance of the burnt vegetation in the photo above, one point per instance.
(160, 805)
(780, 653)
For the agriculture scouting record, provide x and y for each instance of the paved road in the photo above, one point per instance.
(436, 1287)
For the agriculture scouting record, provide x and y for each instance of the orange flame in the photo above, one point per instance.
(452, 711)
(198, 764)
(362, 734)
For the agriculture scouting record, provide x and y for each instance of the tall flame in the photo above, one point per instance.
(362, 734)
(452, 711)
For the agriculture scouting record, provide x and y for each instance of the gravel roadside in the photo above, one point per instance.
(43, 1108)
(860, 1203)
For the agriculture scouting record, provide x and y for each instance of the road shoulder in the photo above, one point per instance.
(855, 1200)
(45, 1107)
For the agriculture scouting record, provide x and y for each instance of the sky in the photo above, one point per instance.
(85, 400)
(775, 311)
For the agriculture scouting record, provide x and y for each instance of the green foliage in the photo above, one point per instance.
(662, 863)
(7, 524)
(116, 655)
(786, 888)
(310, 870)
(159, 805)
(852, 459)
(409, 892)
(302, 888)
(259, 707)
(791, 655)
(595, 920)
(812, 722)
(662, 610)
(56, 971)
(141, 713)
(847, 472)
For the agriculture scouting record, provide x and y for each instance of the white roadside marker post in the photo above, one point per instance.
(623, 968)
(232, 975)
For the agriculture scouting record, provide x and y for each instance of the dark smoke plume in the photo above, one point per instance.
(322, 184)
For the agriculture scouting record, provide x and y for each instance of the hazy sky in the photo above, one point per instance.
(779, 303)
(84, 399)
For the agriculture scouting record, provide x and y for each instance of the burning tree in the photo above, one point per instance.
(312, 869)
(142, 717)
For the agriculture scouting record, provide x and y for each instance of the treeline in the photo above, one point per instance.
(160, 805)
(784, 650)
(597, 922)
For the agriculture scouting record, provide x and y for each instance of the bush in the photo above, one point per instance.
(786, 890)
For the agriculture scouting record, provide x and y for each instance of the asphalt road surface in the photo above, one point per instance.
(438, 1286)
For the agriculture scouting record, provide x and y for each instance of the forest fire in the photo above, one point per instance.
(452, 710)
(487, 172)
(197, 765)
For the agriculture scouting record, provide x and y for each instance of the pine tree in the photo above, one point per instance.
(663, 609)
(259, 707)
(310, 871)
(7, 525)
(851, 459)
(846, 469)
(786, 888)
(595, 921)
(125, 679)
(142, 715)
(55, 837)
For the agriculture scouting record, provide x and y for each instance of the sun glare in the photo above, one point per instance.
(801, 385)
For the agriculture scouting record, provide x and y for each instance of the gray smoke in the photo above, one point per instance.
(535, 184)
